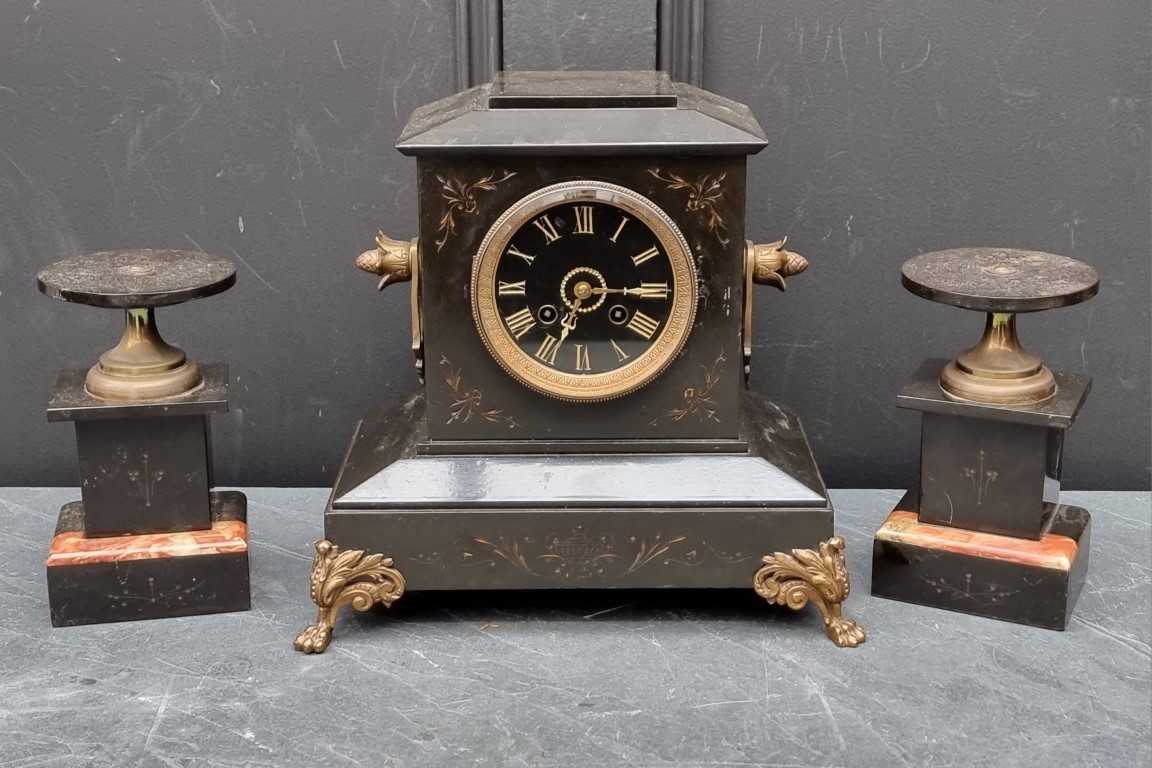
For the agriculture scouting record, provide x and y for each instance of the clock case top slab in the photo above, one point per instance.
(538, 114)
(484, 149)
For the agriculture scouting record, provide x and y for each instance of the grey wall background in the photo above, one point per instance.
(263, 131)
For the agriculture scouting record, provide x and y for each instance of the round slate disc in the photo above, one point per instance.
(1000, 279)
(136, 279)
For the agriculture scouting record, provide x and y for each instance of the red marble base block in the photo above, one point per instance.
(1034, 582)
(94, 580)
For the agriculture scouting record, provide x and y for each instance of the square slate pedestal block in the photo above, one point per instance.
(145, 467)
(983, 532)
(149, 539)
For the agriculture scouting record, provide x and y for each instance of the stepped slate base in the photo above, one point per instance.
(93, 580)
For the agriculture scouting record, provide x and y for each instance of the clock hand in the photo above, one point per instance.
(644, 291)
(569, 322)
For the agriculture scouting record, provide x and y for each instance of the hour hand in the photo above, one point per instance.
(569, 322)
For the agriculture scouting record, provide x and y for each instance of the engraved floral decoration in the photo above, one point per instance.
(461, 198)
(469, 402)
(981, 479)
(703, 194)
(142, 477)
(698, 401)
(794, 580)
(579, 554)
(339, 578)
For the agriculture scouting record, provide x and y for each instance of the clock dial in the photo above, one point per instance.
(584, 291)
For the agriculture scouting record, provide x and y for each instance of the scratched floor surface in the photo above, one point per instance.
(584, 679)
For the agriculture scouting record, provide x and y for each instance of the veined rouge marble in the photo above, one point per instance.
(1051, 551)
(72, 548)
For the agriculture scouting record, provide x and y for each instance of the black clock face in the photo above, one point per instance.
(584, 287)
(594, 292)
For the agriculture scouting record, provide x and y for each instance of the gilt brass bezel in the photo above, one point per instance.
(584, 387)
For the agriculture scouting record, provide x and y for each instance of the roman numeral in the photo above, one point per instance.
(621, 355)
(545, 225)
(643, 325)
(654, 290)
(511, 289)
(640, 258)
(548, 349)
(583, 219)
(527, 257)
(619, 229)
(519, 323)
(582, 361)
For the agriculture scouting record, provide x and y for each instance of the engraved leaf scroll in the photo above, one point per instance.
(698, 400)
(461, 199)
(468, 402)
(702, 196)
(579, 554)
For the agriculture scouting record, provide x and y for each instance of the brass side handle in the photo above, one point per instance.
(770, 263)
(765, 264)
(393, 260)
(398, 261)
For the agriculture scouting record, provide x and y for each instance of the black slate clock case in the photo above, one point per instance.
(710, 358)
(476, 481)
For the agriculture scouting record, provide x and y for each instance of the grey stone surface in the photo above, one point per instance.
(576, 679)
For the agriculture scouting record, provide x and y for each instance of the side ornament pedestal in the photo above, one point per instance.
(984, 531)
(149, 538)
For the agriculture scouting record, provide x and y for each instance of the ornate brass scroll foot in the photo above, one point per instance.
(339, 578)
(793, 580)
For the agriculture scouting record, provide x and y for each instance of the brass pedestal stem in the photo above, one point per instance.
(142, 366)
(998, 369)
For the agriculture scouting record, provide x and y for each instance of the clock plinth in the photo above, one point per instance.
(581, 293)
(614, 520)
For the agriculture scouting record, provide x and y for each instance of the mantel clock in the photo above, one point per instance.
(581, 307)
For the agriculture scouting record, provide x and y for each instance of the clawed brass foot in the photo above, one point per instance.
(339, 578)
(822, 578)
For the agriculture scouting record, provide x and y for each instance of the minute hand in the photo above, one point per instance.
(645, 291)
